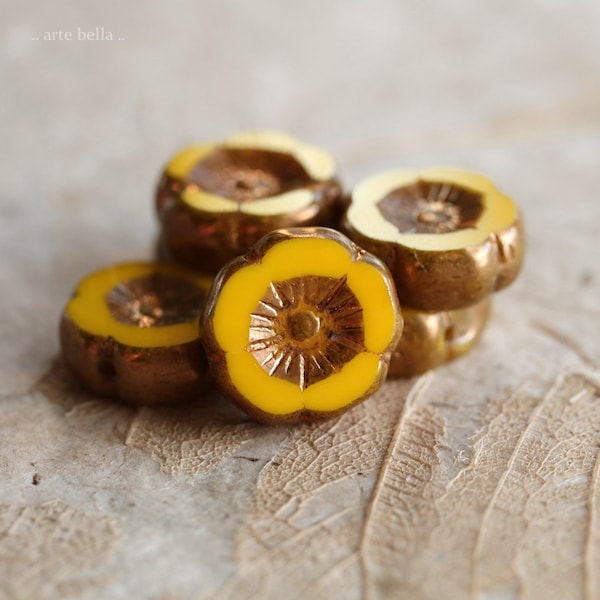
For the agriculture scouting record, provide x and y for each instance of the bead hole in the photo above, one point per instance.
(304, 325)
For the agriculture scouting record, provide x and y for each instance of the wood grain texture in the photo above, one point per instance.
(479, 480)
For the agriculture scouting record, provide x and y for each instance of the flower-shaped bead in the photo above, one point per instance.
(131, 330)
(216, 200)
(302, 326)
(448, 236)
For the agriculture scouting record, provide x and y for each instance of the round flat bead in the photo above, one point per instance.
(301, 327)
(449, 237)
(131, 331)
(216, 200)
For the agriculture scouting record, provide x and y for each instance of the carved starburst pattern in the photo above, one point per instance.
(245, 175)
(155, 300)
(431, 207)
(306, 328)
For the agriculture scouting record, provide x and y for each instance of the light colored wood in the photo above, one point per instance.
(477, 480)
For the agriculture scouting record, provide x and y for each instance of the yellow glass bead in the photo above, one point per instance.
(215, 200)
(131, 330)
(448, 236)
(301, 327)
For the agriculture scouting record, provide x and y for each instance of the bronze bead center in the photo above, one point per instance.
(155, 300)
(248, 174)
(304, 325)
(306, 328)
(431, 207)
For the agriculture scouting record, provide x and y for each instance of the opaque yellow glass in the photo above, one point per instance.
(274, 205)
(183, 161)
(279, 397)
(89, 311)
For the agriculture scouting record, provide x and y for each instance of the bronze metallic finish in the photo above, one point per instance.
(246, 174)
(155, 300)
(308, 321)
(139, 375)
(305, 329)
(441, 280)
(430, 339)
(206, 241)
(431, 207)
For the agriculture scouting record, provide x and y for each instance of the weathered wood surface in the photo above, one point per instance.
(478, 480)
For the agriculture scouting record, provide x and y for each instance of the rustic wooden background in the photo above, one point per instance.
(478, 480)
